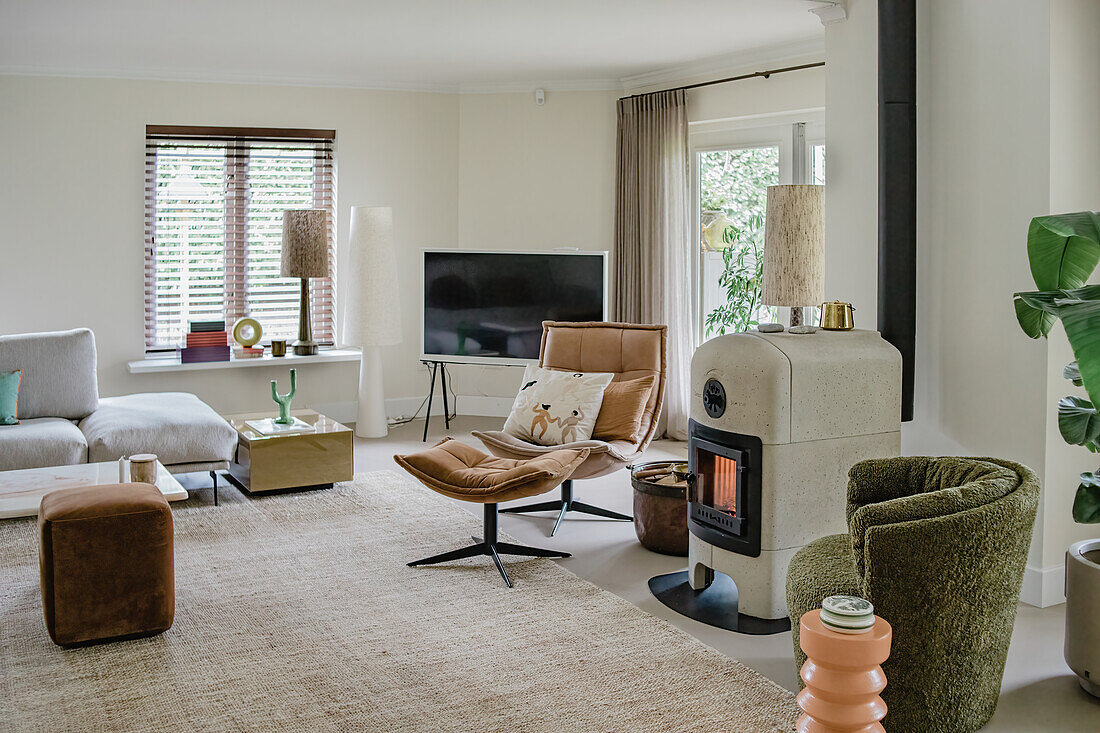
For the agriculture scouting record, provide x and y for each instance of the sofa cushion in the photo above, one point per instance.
(59, 372)
(41, 441)
(177, 426)
(9, 397)
(624, 403)
(555, 407)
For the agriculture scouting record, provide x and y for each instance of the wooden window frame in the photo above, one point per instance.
(238, 141)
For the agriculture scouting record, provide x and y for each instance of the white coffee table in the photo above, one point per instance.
(21, 491)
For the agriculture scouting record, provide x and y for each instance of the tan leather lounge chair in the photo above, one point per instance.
(462, 472)
(630, 352)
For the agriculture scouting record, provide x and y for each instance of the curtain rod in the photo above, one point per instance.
(753, 75)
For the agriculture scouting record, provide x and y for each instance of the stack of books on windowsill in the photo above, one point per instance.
(248, 352)
(207, 341)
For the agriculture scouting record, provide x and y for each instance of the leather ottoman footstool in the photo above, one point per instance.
(107, 563)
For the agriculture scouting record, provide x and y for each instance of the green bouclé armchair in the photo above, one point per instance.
(939, 546)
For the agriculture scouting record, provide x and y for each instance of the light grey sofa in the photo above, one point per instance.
(63, 420)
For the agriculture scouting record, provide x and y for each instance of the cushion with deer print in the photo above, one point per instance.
(555, 407)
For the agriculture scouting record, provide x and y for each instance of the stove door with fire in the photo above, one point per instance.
(725, 494)
(718, 471)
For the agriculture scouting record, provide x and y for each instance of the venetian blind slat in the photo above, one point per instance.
(213, 231)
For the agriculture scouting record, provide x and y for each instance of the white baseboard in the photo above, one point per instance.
(1044, 586)
(344, 412)
(466, 405)
(479, 405)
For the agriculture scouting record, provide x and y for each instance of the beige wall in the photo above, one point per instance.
(543, 177)
(71, 216)
(1007, 101)
(983, 173)
(531, 177)
(979, 95)
(490, 171)
(1074, 186)
(851, 154)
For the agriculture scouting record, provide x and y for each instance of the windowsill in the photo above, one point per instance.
(172, 363)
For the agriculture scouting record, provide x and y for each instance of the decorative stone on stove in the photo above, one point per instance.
(777, 419)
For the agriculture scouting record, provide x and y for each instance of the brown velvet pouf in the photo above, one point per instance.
(107, 563)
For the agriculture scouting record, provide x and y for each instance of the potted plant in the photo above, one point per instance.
(1064, 250)
(742, 274)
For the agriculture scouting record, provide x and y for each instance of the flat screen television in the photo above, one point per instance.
(488, 307)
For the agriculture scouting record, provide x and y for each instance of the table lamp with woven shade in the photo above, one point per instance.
(305, 255)
(372, 311)
(794, 249)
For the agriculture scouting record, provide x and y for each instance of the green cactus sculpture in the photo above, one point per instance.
(284, 399)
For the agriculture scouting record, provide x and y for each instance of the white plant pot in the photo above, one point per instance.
(1083, 613)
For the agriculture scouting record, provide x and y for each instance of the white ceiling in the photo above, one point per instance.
(413, 44)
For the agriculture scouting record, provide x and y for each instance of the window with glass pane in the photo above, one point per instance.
(214, 203)
(733, 196)
(817, 164)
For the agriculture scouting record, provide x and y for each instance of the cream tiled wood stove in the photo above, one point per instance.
(777, 419)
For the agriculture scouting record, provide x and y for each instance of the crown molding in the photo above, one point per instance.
(833, 11)
(728, 65)
(227, 78)
(564, 85)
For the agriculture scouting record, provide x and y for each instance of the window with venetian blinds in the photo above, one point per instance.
(214, 202)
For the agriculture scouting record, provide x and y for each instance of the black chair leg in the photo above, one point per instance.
(561, 516)
(214, 476)
(545, 506)
(507, 548)
(465, 552)
(500, 565)
(566, 504)
(580, 506)
(488, 545)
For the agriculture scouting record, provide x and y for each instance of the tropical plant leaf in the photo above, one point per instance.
(1086, 503)
(1079, 311)
(1072, 373)
(1063, 250)
(1034, 322)
(1078, 421)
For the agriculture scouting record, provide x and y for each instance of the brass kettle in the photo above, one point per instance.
(837, 316)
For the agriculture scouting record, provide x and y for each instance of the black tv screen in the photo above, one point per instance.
(489, 306)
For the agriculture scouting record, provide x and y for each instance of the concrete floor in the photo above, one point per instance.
(1039, 692)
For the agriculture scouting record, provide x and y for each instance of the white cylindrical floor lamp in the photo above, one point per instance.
(372, 313)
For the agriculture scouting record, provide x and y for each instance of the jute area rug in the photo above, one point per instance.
(296, 612)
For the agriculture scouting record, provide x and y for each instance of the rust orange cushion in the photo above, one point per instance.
(623, 405)
(460, 471)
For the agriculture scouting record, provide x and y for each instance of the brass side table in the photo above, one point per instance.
(314, 459)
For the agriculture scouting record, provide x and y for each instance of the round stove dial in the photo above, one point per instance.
(714, 398)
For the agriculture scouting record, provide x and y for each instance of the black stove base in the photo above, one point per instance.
(715, 605)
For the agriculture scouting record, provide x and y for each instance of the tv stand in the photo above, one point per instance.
(440, 368)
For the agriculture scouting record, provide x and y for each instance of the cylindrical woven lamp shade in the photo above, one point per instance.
(305, 243)
(794, 246)
(372, 311)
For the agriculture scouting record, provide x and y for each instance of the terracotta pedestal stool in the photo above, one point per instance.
(107, 564)
(843, 677)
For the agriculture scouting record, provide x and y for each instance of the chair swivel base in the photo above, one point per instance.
(567, 504)
(489, 545)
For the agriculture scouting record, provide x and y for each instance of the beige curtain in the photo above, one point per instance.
(652, 261)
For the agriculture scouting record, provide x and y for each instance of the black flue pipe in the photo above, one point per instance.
(897, 185)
